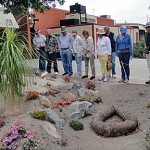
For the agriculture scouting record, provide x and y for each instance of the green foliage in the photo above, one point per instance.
(147, 138)
(20, 7)
(76, 125)
(148, 105)
(13, 71)
(41, 115)
(138, 49)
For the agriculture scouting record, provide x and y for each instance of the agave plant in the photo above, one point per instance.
(14, 72)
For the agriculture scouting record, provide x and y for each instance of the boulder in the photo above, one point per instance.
(50, 129)
(53, 117)
(89, 95)
(42, 90)
(70, 96)
(45, 102)
(80, 110)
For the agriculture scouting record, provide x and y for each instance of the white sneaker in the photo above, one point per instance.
(105, 79)
(56, 73)
(101, 79)
(44, 74)
(126, 81)
(113, 76)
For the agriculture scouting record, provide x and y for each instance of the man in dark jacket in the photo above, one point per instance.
(112, 38)
(147, 46)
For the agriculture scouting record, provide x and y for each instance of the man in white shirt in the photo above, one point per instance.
(88, 54)
(77, 50)
(104, 53)
(39, 42)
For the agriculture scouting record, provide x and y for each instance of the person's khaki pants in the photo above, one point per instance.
(148, 62)
(92, 64)
(103, 63)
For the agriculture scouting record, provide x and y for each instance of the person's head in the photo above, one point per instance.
(123, 29)
(49, 31)
(100, 32)
(106, 29)
(74, 33)
(147, 27)
(63, 30)
(85, 34)
(37, 32)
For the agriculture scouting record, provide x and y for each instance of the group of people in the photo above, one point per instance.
(108, 47)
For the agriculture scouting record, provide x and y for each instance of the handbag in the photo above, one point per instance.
(109, 65)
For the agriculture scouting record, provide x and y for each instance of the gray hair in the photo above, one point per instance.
(123, 27)
(107, 27)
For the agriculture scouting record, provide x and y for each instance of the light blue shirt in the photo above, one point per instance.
(123, 43)
(65, 41)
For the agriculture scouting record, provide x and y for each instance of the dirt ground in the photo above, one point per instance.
(132, 98)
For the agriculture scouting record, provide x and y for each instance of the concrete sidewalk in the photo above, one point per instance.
(138, 68)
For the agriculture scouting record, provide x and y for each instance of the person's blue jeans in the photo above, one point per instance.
(79, 64)
(66, 58)
(113, 57)
(42, 59)
(124, 62)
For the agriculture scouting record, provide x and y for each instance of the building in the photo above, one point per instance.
(7, 20)
(141, 30)
(79, 19)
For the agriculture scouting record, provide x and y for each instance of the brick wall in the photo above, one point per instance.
(105, 21)
(50, 18)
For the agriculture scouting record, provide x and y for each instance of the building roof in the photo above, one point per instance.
(135, 25)
(7, 20)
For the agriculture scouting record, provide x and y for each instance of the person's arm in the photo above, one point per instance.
(71, 42)
(117, 46)
(130, 43)
(56, 44)
(90, 45)
(108, 46)
(59, 43)
(81, 42)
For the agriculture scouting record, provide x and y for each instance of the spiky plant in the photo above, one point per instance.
(14, 72)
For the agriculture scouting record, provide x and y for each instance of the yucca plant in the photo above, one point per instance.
(14, 73)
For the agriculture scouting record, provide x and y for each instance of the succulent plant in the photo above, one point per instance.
(41, 115)
(76, 125)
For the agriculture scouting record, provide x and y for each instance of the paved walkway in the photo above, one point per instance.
(138, 67)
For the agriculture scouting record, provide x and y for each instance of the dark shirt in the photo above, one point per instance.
(147, 39)
(51, 42)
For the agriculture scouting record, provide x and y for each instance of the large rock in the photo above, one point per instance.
(42, 90)
(70, 96)
(80, 110)
(45, 102)
(88, 95)
(50, 129)
(60, 83)
(53, 117)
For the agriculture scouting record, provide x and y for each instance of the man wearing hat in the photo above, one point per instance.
(147, 46)
(65, 46)
(77, 50)
(104, 53)
(39, 42)
(112, 38)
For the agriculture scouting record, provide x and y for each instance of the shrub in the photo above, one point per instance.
(32, 95)
(41, 115)
(147, 138)
(138, 49)
(76, 125)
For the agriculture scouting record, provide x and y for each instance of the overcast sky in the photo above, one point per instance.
(133, 11)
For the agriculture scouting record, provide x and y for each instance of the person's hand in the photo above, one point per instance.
(144, 55)
(109, 57)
